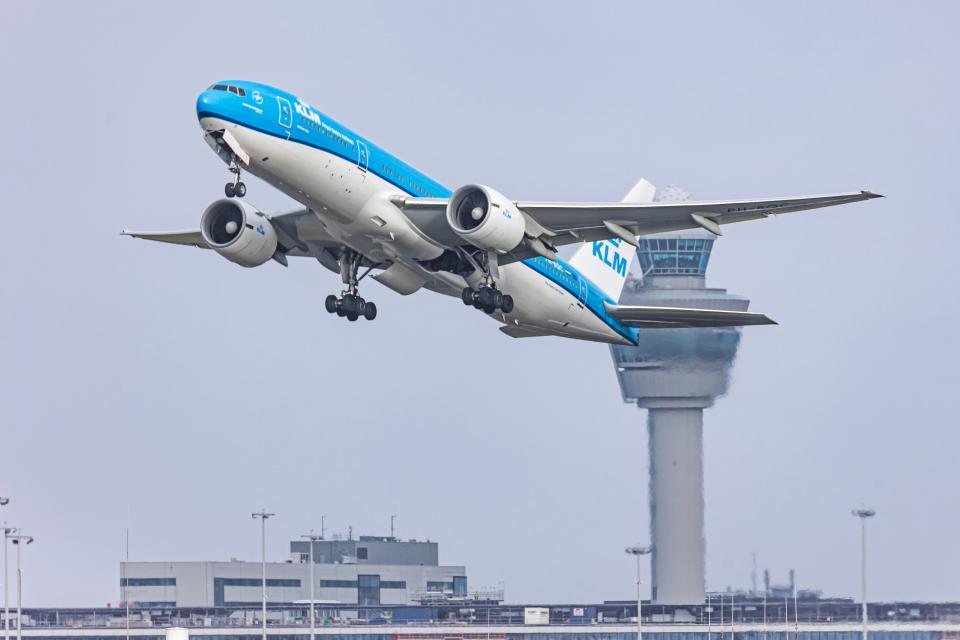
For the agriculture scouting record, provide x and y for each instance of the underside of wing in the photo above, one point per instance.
(190, 237)
(676, 317)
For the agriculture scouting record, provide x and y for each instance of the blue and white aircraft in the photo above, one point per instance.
(365, 211)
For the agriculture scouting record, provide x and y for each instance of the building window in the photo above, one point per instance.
(368, 591)
(393, 584)
(361, 553)
(460, 586)
(338, 584)
(149, 582)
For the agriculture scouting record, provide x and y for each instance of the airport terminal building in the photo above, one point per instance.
(368, 571)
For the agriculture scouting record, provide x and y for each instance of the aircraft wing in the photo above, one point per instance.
(191, 237)
(678, 317)
(299, 232)
(560, 223)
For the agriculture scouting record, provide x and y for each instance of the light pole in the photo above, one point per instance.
(863, 513)
(20, 540)
(263, 515)
(7, 534)
(312, 538)
(639, 551)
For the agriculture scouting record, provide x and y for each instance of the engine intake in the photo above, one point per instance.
(485, 218)
(238, 232)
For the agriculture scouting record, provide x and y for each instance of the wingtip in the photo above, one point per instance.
(870, 194)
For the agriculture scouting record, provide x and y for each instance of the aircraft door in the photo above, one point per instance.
(286, 113)
(363, 157)
(583, 290)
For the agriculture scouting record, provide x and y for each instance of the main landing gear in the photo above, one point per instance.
(350, 305)
(235, 188)
(488, 299)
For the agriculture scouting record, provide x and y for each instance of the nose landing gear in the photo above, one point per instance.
(350, 305)
(235, 188)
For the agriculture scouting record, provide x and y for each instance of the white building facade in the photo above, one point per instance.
(367, 571)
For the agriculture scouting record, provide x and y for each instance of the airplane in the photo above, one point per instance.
(363, 210)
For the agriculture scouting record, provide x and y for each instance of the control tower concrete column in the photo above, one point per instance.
(675, 374)
(676, 504)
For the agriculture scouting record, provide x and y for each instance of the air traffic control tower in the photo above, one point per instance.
(675, 374)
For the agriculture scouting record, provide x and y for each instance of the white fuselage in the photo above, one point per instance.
(354, 207)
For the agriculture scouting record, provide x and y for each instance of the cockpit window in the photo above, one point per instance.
(232, 89)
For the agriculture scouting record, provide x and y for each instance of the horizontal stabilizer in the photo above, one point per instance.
(678, 317)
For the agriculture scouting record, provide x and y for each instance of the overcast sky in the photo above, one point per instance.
(169, 389)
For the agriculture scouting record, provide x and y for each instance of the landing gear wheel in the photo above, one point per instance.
(485, 297)
(230, 190)
(352, 317)
(330, 303)
(370, 311)
(497, 299)
(349, 305)
(240, 189)
(467, 296)
(507, 303)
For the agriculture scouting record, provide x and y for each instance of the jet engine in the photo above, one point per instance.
(485, 218)
(238, 232)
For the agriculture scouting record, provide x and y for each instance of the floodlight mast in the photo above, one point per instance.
(8, 533)
(20, 540)
(263, 515)
(863, 513)
(637, 552)
(313, 539)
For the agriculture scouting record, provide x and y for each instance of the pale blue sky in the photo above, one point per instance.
(175, 387)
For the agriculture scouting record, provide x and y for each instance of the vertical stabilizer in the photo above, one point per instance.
(606, 262)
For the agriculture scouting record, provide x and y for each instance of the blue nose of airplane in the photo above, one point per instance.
(209, 103)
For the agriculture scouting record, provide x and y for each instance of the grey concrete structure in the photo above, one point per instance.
(368, 571)
(675, 374)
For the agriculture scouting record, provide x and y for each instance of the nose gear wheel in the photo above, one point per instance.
(235, 188)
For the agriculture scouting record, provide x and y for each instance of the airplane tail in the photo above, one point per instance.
(606, 262)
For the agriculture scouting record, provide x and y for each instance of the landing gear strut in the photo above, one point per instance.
(350, 305)
(235, 188)
(487, 297)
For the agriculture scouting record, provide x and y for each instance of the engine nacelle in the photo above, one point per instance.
(485, 218)
(238, 232)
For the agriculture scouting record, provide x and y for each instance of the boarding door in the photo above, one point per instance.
(286, 113)
(363, 157)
